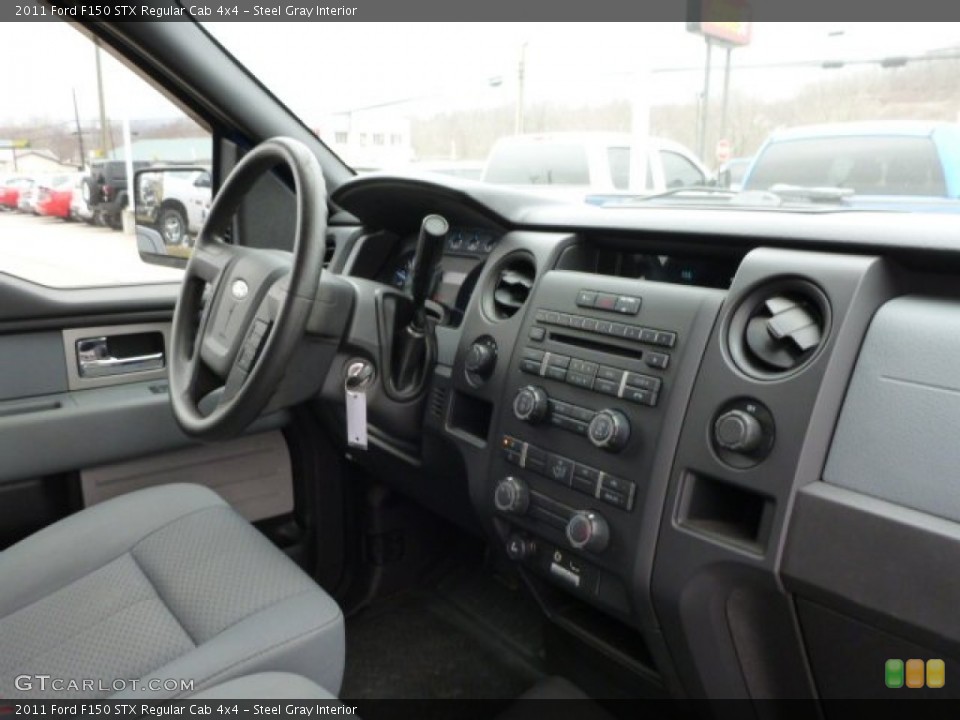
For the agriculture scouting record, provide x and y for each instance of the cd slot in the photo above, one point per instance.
(598, 346)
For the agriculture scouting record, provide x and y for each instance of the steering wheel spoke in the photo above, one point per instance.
(242, 311)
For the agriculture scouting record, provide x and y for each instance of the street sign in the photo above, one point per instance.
(723, 150)
(724, 22)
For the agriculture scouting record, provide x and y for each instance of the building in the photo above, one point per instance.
(371, 139)
(31, 161)
(169, 151)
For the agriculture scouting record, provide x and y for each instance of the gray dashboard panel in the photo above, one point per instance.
(31, 364)
(897, 435)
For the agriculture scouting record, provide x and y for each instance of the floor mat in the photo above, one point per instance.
(470, 637)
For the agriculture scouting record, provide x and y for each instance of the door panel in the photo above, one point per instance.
(251, 473)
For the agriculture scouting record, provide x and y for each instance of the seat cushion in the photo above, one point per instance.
(162, 584)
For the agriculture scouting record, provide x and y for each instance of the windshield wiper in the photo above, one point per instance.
(783, 193)
(688, 192)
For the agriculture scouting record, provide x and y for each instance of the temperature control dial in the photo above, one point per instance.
(609, 430)
(511, 496)
(587, 530)
(531, 404)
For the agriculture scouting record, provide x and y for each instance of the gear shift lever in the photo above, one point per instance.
(433, 231)
(413, 346)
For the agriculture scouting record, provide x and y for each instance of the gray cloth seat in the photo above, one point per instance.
(162, 584)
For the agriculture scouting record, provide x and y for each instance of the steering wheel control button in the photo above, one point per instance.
(609, 430)
(520, 548)
(511, 496)
(531, 404)
(743, 433)
(588, 530)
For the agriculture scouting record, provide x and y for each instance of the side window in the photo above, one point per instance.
(679, 172)
(619, 160)
(67, 167)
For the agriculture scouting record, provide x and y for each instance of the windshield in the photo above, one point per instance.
(629, 109)
(878, 165)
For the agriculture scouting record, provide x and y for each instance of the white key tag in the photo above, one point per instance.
(355, 385)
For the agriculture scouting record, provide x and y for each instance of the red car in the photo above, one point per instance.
(10, 191)
(55, 200)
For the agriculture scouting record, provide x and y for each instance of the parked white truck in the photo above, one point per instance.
(575, 165)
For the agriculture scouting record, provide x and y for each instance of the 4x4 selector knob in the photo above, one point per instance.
(739, 431)
(531, 404)
(587, 530)
(511, 496)
(609, 430)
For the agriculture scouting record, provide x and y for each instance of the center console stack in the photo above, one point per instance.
(592, 402)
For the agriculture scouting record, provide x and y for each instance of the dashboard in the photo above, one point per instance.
(659, 415)
(464, 253)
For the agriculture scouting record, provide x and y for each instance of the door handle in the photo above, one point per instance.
(94, 360)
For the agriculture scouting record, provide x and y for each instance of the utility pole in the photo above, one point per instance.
(702, 130)
(103, 109)
(726, 95)
(521, 73)
(76, 117)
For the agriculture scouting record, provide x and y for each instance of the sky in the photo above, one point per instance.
(319, 69)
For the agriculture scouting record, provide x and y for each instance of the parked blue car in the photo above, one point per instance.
(893, 165)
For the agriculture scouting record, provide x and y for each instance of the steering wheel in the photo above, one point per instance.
(242, 312)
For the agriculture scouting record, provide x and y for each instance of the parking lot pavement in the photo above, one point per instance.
(53, 252)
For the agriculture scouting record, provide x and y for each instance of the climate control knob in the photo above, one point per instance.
(531, 404)
(739, 431)
(511, 496)
(609, 430)
(587, 530)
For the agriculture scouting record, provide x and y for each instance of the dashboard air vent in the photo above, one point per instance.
(513, 282)
(778, 330)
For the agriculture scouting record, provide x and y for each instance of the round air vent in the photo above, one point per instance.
(512, 281)
(778, 329)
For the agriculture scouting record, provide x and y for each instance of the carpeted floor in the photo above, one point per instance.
(470, 636)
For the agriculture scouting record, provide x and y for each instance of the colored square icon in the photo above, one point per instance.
(893, 673)
(915, 673)
(936, 674)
